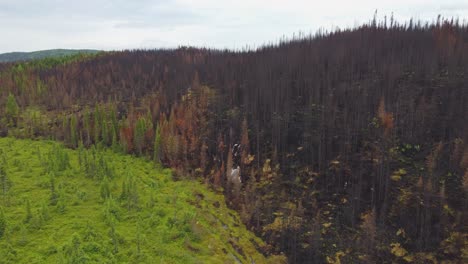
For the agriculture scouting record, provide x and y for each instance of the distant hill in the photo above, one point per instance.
(24, 56)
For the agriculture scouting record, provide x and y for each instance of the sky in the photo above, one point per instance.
(29, 25)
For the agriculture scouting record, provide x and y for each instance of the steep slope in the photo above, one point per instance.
(344, 135)
(35, 55)
(96, 206)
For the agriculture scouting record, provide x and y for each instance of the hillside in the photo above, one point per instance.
(35, 55)
(97, 206)
(347, 146)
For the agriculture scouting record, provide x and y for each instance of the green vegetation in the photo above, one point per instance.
(11, 111)
(55, 53)
(96, 206)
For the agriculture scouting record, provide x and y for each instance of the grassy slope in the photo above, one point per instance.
(22, 56)
(175, 222)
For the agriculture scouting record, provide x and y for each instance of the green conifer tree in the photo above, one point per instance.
(157, 146)
(140, 130)
(105, 189)
(105, 129)
(97, 125)
(87, 126)
(73, 131)
(11, 110)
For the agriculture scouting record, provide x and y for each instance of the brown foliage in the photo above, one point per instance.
(432, 158)
(386, 118)
(126, 138)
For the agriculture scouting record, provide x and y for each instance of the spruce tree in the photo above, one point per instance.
(105, 129)
(140, 130)
(114, 130)
(105, 189)
(157, 146)
(97, 123)
(11, 110)
(73, 131)
(87, 126)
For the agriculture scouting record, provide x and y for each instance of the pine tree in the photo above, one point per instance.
(114, 121)
(87, 126)
(97, 125)
(73, 131)
(157, 146)
(114, 131)
(140, 130)
(130, 192)
(11, 110)
(65, 136)
(105, 130)
(105, 189)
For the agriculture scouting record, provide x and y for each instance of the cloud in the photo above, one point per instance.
(454, 7)
(119, 24)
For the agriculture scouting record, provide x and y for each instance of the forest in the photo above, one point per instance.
(345, 146)
(36, 55)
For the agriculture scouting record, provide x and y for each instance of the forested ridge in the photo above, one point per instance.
(346, 146)
(54, 53)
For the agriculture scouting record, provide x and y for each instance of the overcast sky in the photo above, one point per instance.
(27, 25)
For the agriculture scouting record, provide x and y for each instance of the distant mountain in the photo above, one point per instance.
(24, 56)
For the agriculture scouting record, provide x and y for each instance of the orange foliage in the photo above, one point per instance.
(126, 137)
(386, 118)
(183, 131)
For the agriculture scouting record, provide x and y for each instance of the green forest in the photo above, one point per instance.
(343, 146)
(43, 54)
